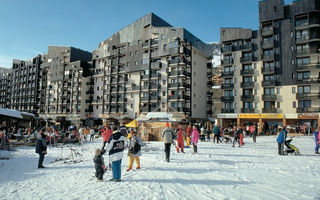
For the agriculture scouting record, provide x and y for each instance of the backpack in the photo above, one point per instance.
(135, 149)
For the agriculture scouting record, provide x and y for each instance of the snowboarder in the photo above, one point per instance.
(41, 147)
(134, 146)
(99, 164)
(167, 136)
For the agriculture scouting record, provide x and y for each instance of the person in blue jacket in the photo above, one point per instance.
(316, 134)
(281, 140)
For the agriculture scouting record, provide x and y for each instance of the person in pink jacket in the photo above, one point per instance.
(194, 138)
(106, 136)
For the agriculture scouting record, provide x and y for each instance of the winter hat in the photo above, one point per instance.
(167, 124)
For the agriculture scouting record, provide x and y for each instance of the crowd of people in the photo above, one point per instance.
(116, 139)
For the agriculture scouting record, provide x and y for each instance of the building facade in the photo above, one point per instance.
(63, 85)
(272, 75)
(150, 66)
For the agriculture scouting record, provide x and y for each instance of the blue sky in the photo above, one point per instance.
(28, 27)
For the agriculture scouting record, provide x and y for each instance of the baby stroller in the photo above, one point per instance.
(291, 148)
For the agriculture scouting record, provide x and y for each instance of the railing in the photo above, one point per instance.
(227, 98)
(269, 110)
(247, 72)
(247, 110)
(269, 97)
(228, 110)
(247, 98)
(247, 84)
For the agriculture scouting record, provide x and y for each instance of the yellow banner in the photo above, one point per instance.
(272, 116)
(249, 116)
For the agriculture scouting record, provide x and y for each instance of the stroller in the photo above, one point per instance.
(291, 148)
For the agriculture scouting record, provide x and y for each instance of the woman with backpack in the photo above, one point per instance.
(134, 146)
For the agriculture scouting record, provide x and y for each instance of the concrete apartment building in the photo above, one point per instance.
(272, 75)
(63, 86)
(4, 74)
(19, 86)
(150, 66)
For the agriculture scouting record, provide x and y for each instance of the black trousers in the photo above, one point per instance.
(41, 158)
(195, 148)
(99, 173)
(167, 151)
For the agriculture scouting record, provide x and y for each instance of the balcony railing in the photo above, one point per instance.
(227, 61)
(247, 72)
(269, 83)
(311, 109)
(269, 110)
(247, 84)
(247, 110)
(156, 65)
(269, 97)
(227, 74)
(307, 96)
(247, 98)
(228, 110)
(308, 81)
(267, 31)
(226, 49)
(268, 57)
(267, 44)
(227, 98)
(268, 70)
(227, 86)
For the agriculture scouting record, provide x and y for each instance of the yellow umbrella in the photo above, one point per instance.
(132, 124)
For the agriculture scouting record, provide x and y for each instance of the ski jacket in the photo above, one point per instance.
(189, 130)
(41, 144)
(180, 134)
(99, 161)
(167, 135)
(280, 138)
(106, 135)
(316, 136)
(115, 146)
(194, 136)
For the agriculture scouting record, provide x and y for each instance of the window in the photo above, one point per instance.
(145, 61)
(164, 46)
(278, 104)
(235, 93)
(294, 105)
(293, 90)
(248, 105)
(269, 91)
(278, 90)
(135, 52)
(305, 104)
(136, 63)
(228, 93)
(303, 75)
(131, 53)
(173, 44)
(163, 93)
(304, 89)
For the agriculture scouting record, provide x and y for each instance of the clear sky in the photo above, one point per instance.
(28, 27)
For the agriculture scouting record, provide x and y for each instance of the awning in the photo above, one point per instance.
(249, 116)
(272, 116)
(11, 113)
(132, 124)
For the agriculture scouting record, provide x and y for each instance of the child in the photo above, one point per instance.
(99, 164)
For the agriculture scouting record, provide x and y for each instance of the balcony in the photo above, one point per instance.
(185, 97)
(269, 97)
(123, 79)
(304, 52)
(247, 98)
(88, 100)
(247, 110)
(227, 61)
(227, 86)
(155, 76)
(155, 54)
(304, 66)
(144, 99)
(174, 97)
(154, 98)
(268, 70)
(269, 110)
(270, 83)
(247, 59)
(247, 84)
(265, 31)
(144, 109)
(268, 57)
(308, 81)
(307, 110)
(227, 74)
(247, 47)
(228, 110)
(90, 92)
(156, 65)
(227, 98)
(267, 44)
(302, 96)
(226, 49)
(155, 87)
(247, 72)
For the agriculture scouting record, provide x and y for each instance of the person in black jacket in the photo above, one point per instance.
(99, 164)
(41, 147)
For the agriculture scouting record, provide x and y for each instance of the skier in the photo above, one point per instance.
(134, 146)
(316, 134)
(280, 140)
(195, 139)
(41, 147)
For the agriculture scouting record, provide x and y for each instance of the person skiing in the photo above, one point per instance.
(180, 135)
(167, 136)
(189, 129)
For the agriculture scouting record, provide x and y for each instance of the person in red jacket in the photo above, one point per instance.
(189, 130)
(180, 135)
(106, 136)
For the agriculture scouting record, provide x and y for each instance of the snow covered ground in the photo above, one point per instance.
(218, 171)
